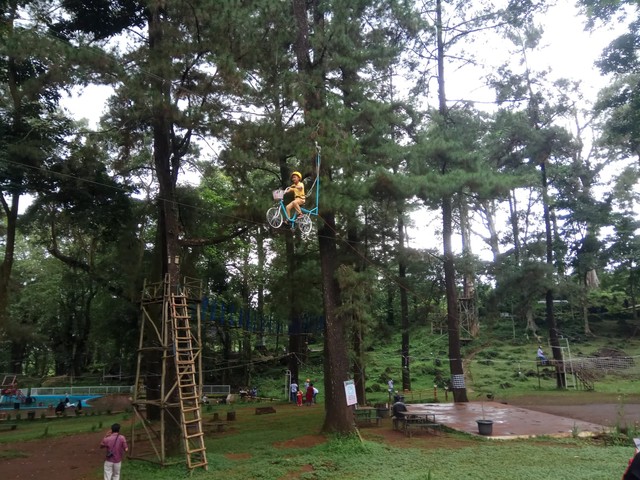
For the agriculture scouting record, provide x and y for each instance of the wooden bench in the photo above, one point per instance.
(8, 426)
(411, 423)
(366, 417)
(265, 410)
(215, 427)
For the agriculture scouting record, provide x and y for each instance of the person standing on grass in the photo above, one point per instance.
(308, 395)
(116, 446)
(542, 358)
(294, 391)
(299, 396)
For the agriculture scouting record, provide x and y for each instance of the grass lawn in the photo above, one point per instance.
(288, 445)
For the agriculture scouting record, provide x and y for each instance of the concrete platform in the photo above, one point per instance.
(509, 422)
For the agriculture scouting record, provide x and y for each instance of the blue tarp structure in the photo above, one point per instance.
(215, 311)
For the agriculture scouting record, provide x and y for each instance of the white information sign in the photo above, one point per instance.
(350, 392)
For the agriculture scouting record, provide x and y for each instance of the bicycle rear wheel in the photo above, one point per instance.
(304, 224)
(274, 217)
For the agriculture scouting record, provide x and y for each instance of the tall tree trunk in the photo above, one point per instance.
(515, 227)
(404, 303)
(632, 291)
(262, 260)
(468, 277)
(453, 323)
(359, 366)
(348, 88)
(338, 417)
(489, 209)
(10, 209)
(6, 267)
(166, 169)
(551, 320)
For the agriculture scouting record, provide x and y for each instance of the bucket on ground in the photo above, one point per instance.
(485, 427)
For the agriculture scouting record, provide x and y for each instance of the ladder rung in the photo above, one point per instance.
(197, 449)
(194, 435)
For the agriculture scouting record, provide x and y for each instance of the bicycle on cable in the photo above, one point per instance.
(294, 213)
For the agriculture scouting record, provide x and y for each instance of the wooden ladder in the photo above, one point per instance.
(191, 417)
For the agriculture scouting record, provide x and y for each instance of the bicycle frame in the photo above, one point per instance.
(277, 214)
(314, 210)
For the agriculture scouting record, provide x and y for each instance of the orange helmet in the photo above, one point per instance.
(298, 174)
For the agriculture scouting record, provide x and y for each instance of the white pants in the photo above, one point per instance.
(112, 470)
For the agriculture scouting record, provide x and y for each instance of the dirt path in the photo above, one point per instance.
(73, 457)
(76, 457)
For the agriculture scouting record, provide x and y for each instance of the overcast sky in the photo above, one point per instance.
(570, 53)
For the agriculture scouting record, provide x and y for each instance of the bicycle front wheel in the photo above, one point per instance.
(274, 217)
(304, 225)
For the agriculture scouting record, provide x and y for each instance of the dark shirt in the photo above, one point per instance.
(398, 407)
(633, 471)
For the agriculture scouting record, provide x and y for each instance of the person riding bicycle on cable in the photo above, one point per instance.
(298, 190)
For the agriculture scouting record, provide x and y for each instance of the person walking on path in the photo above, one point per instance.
(116, 446)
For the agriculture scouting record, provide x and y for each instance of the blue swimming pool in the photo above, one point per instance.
(9, 402)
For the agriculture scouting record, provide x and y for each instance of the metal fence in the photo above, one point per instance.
(97, 390)
(216, 390)
(210, 390)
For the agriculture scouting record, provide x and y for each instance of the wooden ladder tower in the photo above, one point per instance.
(188, 388)
(169, 373)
